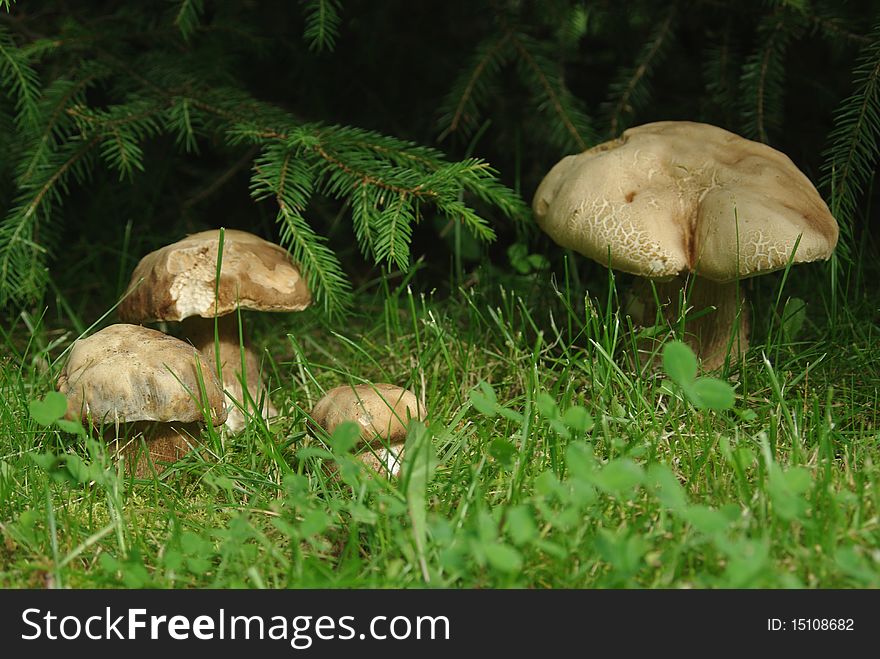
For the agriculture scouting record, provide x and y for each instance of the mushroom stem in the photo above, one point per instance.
(386, 460)
(165, 442)
(200, 332)
(716, 319)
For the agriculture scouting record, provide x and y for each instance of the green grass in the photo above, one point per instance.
(546, 461)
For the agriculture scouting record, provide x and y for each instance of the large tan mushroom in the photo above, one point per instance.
(383, 412)
(133, 381)
(178, 283)
(678, 201)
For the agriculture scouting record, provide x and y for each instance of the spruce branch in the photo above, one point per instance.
(851, 158)
(121, 128)
(55, 123)
(23, 273)
(184, 122)
(322, 23)
(630, 91)
(721, 74)
(551, 96)
(280, 174)
(188, 16)
(17, 75)
(463, 105)
(762, 79)
(364, 215)
(386, 182)
(394, 230)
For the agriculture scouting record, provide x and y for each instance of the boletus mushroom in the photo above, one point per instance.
(179, 283)
(135, 382)
(383, 412)
(680, 202)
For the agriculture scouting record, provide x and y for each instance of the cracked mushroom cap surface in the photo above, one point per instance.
(178, 280)
(382, 411)
(130, 373)
(673, 197)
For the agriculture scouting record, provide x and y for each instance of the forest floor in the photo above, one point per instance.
(565, 468)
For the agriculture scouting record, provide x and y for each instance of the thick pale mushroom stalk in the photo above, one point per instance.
(200, 332)
(716, 316)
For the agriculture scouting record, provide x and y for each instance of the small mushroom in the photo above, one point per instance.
(155, 385)
(178, 283)
(674, 200)
(383, 412)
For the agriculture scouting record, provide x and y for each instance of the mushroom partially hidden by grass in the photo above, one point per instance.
(135, 382)
(179, 283)
(683, 203)
(382, 411)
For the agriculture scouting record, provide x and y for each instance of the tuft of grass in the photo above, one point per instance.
(545, 461)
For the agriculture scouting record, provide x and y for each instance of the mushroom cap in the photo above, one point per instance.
(382, 411)
(178, 280)
(131, 373)
(672, 197)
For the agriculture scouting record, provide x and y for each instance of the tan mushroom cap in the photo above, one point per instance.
(178, 281)
(128, 373)
(677, 196)
(381, 410)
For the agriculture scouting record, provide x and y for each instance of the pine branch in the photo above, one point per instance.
(573, 27)
(279, 173)
(630, 92)
(573, 128)
(834, 28)
(22, 251)
(322, 23)
(463, 105)
(721, 74)
(762, 79)
(121, 128)
(184, 121)
(851, 158)
(56, 123)
(17, 75)
(394, 231)
(188, 16)
(384, 180)
(364, 216)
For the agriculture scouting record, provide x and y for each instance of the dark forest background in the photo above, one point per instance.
(515, 84)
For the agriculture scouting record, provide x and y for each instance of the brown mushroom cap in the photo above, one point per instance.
(128, 373)
(675, 196)
(178, 281)
(381, 410)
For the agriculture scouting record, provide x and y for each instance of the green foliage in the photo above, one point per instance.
(188, 15)
(630, 92)
(19, 78)
(322, 23)
(523, 262)
(175, 100)
(851, 158)
(566, 471)
(50, 411)
(567, 124)
(763, 79)
(68, 135)
(680, 365)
